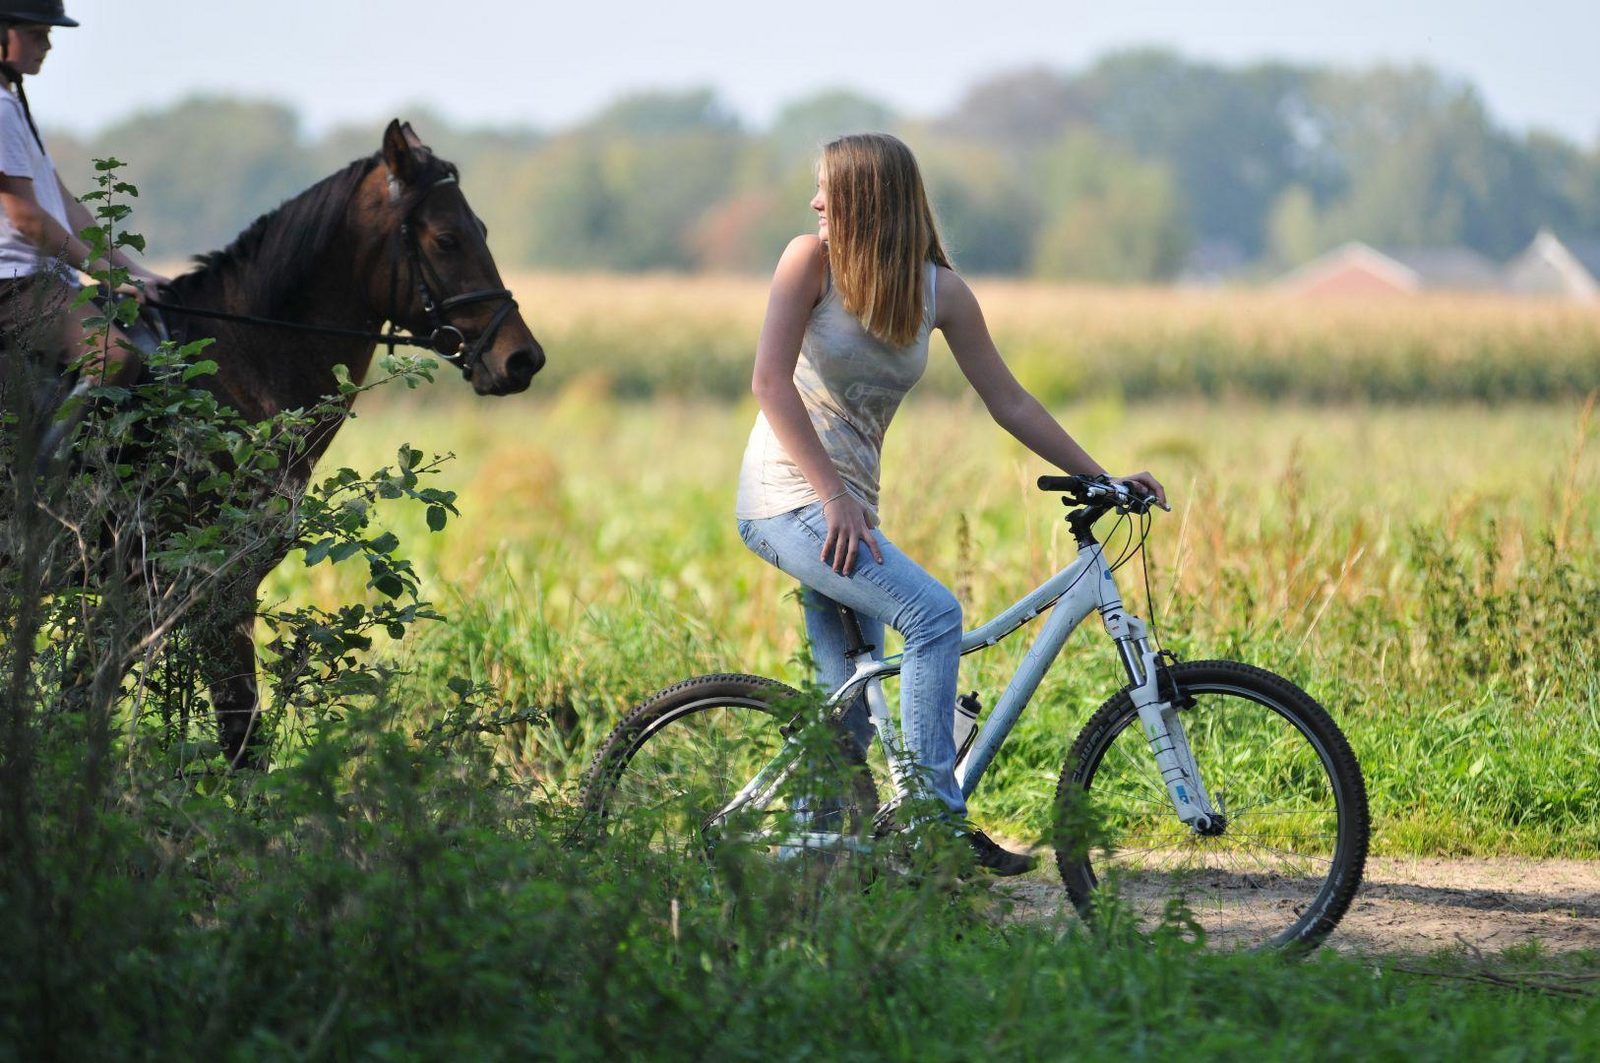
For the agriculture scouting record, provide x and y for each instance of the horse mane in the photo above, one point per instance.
(273, 257)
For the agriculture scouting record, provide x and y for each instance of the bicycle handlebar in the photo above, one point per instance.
(1099, 490)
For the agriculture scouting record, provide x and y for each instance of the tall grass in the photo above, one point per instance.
(397, 886)
(694, 337)
(1429, 574)
(379, 896)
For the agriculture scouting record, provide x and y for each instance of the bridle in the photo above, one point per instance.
(444, 339)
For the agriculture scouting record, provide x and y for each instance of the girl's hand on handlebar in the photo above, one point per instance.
(1145, 483)
(848, 528)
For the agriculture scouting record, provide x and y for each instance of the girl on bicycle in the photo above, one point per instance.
(40, 251)
(845, 337)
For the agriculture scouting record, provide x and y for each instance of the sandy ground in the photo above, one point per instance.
(1425, 904)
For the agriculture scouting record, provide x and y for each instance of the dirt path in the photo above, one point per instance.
(1424, 904)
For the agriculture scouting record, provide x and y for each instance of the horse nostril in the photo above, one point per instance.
(522, 363)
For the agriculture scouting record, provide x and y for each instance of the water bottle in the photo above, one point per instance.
(966, 723)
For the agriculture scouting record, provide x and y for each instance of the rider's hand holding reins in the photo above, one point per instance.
(849, 526)
(142, 282)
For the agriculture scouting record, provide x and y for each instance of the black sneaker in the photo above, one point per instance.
(998, 861)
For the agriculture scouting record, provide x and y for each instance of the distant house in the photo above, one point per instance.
(1550, 267)
(1359, 269)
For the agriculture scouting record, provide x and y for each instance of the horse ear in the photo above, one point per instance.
(411, 135)
(397, 152)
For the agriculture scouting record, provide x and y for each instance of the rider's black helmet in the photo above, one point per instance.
(35, 12)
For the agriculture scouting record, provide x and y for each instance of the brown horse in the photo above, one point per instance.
(389, 238)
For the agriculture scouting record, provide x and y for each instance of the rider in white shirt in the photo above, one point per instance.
(40, 251)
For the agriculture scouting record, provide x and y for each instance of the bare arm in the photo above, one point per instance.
(44, 232)
(797, 284)
(35, 223)
(960, 318)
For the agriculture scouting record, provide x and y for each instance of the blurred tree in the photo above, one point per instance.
(205, 169)
(804, 126)
(629, 189)
(768, 205)
(1423, 165)
(1020, 111)
(1108, 217)
(1293, 236)
(566, 211)
(1268, 161)
(1224, 134)
(647, 114)
(988, 212)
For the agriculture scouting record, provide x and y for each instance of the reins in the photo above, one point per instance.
(446, 340)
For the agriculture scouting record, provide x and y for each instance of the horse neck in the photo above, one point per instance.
(330, 295)
(264, 370)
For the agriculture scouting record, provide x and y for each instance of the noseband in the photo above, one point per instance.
(446, 340)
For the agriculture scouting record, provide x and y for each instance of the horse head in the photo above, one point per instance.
(440, 279)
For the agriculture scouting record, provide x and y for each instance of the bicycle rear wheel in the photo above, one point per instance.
(679, 758)
(1290, 851)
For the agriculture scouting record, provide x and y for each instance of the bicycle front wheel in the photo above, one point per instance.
(1280, 868)
(677, 761)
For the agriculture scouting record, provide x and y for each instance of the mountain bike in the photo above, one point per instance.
(1214, 783)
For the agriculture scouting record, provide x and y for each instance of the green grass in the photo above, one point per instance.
(399, 887)
(1429, 575)
(380, 897)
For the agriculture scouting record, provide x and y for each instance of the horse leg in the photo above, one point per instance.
(231, 674)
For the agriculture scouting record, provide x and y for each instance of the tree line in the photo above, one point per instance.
(1137, 168)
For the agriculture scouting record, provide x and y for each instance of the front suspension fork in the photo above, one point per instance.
(1157, 698)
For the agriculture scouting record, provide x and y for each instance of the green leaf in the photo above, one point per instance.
(437, 518)
(203, 368)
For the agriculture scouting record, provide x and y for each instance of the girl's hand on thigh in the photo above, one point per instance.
(848, 528)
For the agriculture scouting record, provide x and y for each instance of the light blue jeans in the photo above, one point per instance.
(897, 593)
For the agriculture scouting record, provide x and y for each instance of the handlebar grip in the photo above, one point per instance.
(1059, 483)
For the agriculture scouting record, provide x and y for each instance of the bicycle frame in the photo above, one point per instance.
(1084, 586)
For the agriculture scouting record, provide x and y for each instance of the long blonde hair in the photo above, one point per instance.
(880, 232)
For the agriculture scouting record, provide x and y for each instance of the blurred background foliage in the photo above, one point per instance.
(1146, 166)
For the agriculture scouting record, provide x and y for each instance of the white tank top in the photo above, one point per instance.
(851, 384)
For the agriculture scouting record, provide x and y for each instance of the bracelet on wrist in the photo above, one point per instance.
(834, 498)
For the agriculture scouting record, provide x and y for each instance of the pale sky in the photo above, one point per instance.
(546, 65)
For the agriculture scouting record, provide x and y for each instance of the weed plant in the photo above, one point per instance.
(384, 893)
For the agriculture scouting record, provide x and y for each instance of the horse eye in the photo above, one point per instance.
(447, 241)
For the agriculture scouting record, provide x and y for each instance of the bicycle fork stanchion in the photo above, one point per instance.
(1159, 719)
